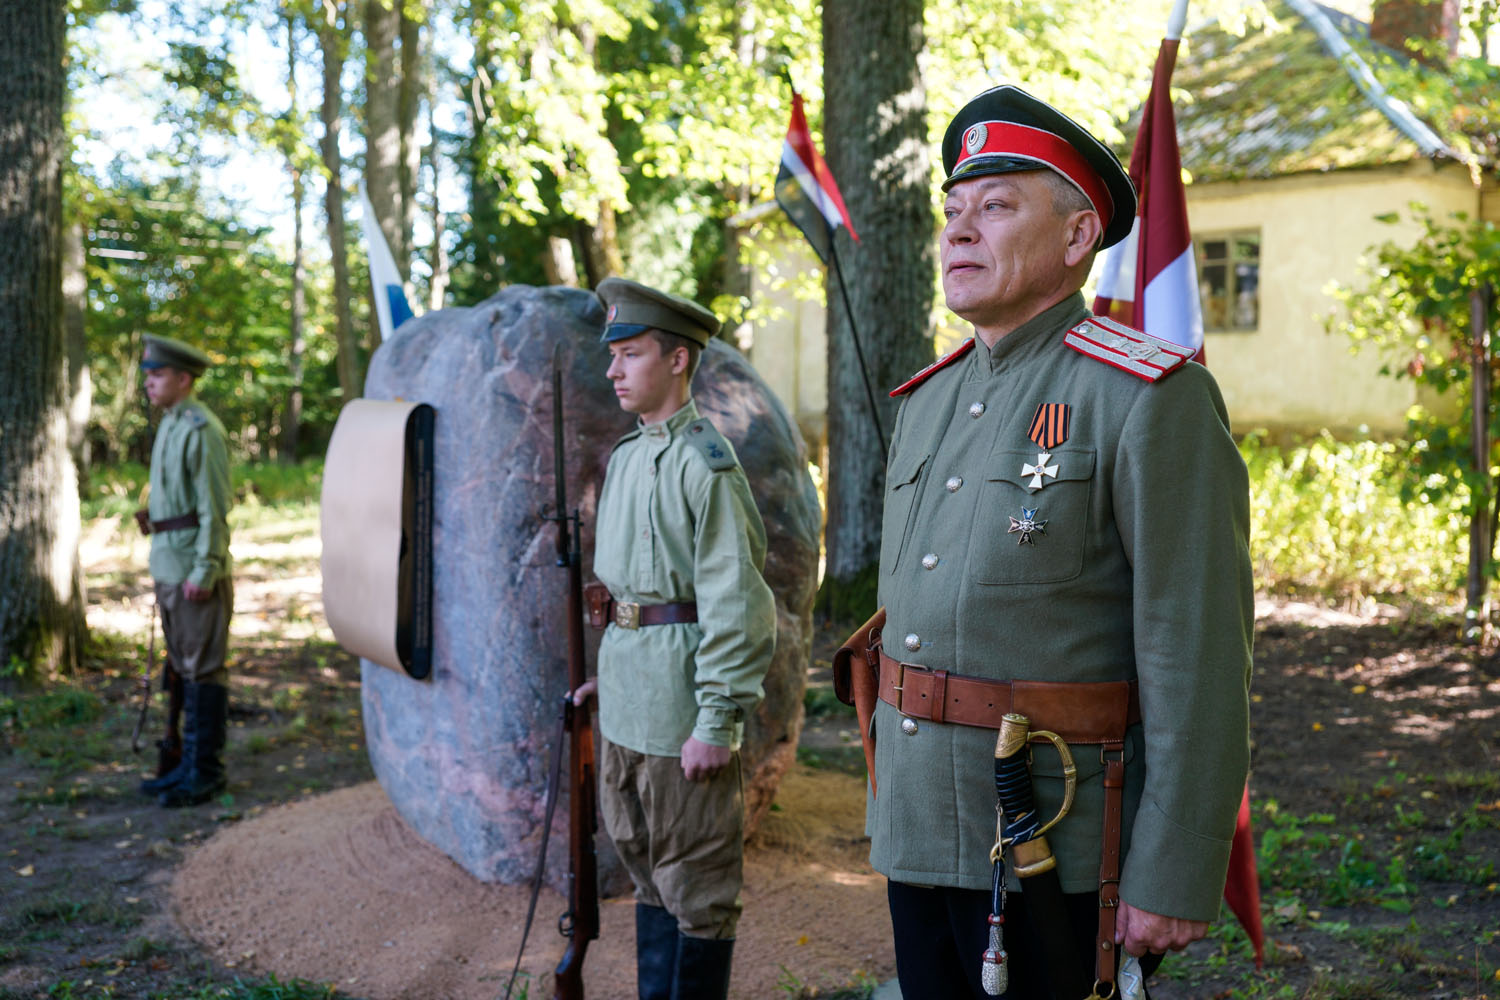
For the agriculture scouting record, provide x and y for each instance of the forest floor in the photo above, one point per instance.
(1376, 789)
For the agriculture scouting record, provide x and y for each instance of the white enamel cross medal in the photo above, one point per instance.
(1040, 470)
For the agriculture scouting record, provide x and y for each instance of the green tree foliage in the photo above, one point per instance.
(1413, 306)
(162, 259)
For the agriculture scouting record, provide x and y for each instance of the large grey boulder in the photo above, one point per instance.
(464, 754)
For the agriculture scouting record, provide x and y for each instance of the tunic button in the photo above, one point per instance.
(976, 410)
(954, 483)
(930, 561)
(912, 641)
(908, 726)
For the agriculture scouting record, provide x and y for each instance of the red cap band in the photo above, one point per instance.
(1050, 150)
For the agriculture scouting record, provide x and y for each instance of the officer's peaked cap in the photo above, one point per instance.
(631, 308)
(168, 352)
(1006, 130)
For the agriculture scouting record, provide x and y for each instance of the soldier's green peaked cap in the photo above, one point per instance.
(1006, 130)
(631, 308)
(168, 352)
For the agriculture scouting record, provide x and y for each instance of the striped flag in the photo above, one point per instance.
(391, 307)
(805, 188)
(1149, 280)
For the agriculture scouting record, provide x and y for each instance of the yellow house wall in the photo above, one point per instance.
(788, 345)
(1314, 229)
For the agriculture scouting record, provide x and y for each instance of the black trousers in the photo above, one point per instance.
(942, 933)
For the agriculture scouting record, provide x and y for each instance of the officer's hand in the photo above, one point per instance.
(701, 761)
(193, 592)
(1139, 931)
(588, 689)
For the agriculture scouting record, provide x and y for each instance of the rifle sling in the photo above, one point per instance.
(554, 780)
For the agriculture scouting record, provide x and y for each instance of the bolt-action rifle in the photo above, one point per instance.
(580, 923)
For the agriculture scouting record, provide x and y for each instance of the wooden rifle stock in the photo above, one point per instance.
(580, 924)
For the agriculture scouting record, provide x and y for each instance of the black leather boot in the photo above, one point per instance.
(203, 748)
(702, 968)
(172, 762)
(655, 951)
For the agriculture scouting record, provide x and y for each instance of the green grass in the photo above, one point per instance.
(821, 703)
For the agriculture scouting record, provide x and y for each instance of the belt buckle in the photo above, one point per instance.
(627, 614)
(900, 686)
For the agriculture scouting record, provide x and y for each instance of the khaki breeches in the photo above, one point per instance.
(197, 632)
(683, 842)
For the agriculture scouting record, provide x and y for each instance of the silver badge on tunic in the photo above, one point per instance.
(930, 561)
(912, 641)
(1027, 525)
(1039, 470)
(976, 410)
(908, 726)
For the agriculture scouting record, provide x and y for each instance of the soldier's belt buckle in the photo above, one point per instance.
(900, 685)
(627, 614)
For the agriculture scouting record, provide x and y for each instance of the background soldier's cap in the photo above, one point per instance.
(168, 352)
(630, 309)
(1006, 130)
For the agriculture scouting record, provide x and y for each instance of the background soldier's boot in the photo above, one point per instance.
(702, 968)
(655, 951)
(171, 765)
(203, 747)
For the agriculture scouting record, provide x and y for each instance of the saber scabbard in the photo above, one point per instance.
(1022, 833)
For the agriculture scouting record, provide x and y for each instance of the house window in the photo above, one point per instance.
(1229, 279)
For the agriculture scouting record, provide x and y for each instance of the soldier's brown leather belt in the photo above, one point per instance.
(189, 520)
(603, 609)
(1078, 712)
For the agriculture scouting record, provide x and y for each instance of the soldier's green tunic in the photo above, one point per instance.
(677, 523)
(190, 475)
(1140, 571)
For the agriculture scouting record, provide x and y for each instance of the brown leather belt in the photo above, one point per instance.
(603, 608)
(189, 520)
(1079, 713)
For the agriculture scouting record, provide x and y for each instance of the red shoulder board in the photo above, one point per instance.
(930, 370)
(1118, 346)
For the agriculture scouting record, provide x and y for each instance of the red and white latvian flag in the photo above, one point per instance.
(1149, 280)
(805, 188)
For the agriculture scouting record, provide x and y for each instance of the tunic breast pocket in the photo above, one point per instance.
(1033, 536)
(900, 501)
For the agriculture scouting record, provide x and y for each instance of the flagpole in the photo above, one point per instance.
(1177, 20)
(859, 352)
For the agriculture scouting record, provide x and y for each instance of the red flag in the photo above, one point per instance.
(1242, 887)
(1149, 279)
(805, 188)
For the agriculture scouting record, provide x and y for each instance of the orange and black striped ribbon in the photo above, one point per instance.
(1049, 428)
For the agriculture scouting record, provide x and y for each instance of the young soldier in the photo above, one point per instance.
(189, 532)
(680, 546)
(1066, 537)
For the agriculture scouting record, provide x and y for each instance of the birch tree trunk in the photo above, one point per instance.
(41, 592)
(291, 419)
(875, 127)
(382, 127)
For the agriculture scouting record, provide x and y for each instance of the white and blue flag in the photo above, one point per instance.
(391, 307)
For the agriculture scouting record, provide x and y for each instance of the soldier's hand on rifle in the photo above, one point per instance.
(588, 689)
(1140, 931)
(193, 592)
(701, 761)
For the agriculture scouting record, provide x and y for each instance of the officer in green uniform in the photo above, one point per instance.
(1064, 503)
(680, 546)
(187, 521)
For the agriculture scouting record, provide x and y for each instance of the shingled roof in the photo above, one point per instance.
(1295, 97)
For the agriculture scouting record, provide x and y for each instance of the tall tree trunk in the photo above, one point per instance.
(332, 41)
(408, 104)
(736, 275)
(599, 245)
(1481, 544)
(41, 592)
(874, 110)
(383, 129)
(80, 381)
(437, 290)
(292, 415)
